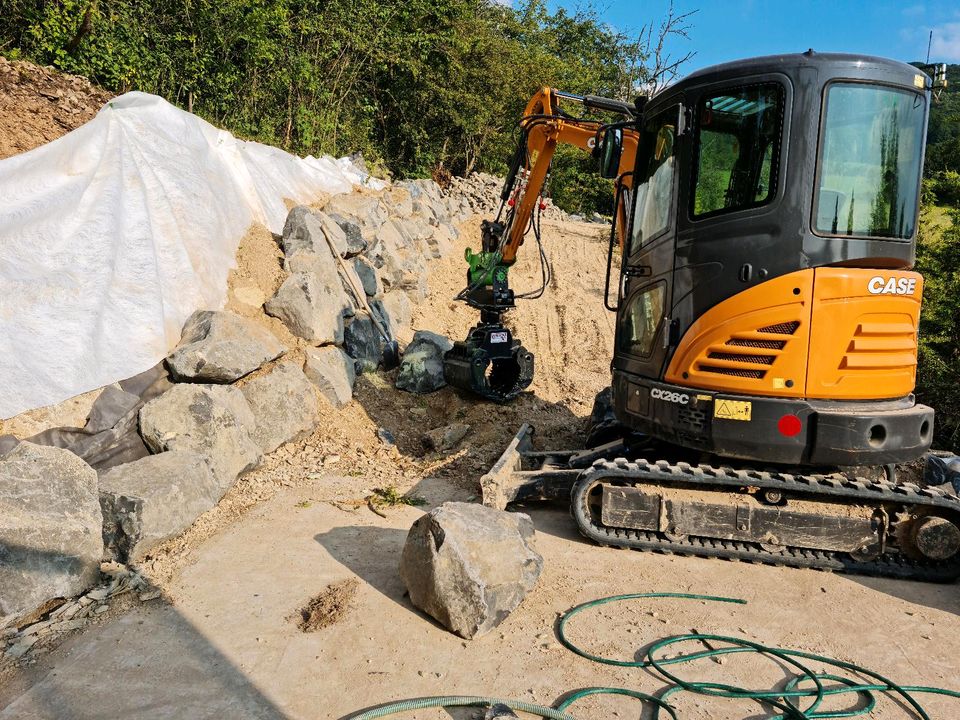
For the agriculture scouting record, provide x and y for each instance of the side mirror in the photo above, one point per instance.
(611, 147)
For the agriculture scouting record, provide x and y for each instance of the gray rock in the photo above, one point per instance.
(398, 308)
(310, 309)
(333, 373)
(366, 210)
(50, 527)
(220, 347)
(368, 276)
(284, 403)
(421, 370)
(363, 342)
(400, 200)
(153, 499)
(212, 420)
(446, 438)
(305, 229)
(469, 566)
(356, 243)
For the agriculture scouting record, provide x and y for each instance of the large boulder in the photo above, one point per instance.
(421, 370)
(50, 527)
(470, 566)
(369, 278)
(363, 342)
(212, 420)
(152, 499)
(398, 307)
(284, 403)
(307, 230)
(309, 308)
(220, 347)
(353, 233)
(366, 210)
(333, 372)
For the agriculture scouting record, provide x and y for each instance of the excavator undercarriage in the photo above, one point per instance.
(829, 521)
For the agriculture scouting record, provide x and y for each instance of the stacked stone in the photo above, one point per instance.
(235, 396)
(482, 192)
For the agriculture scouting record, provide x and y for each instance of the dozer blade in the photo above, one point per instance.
(489, 363)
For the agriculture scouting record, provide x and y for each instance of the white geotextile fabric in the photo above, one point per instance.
(113, 234)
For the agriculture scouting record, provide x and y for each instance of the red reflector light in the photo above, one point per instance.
(789, 425)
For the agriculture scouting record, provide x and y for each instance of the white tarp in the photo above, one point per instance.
(113, 234)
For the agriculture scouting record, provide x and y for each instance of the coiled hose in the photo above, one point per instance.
(785, 700)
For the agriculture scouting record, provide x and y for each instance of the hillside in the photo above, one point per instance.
(39, 104)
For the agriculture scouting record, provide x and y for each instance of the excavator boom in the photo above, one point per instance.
(490, 362)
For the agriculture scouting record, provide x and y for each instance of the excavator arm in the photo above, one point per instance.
(491, 362)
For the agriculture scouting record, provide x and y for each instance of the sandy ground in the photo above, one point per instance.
(224, 642)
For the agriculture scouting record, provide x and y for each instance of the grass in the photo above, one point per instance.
(391, 497)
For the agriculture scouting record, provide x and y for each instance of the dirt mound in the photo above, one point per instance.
(39, 104)
(329, 607)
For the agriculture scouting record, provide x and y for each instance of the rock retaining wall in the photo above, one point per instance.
(355, 268)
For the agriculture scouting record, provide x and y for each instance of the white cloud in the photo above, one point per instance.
(946, 43)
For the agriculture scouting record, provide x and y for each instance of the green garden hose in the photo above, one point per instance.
(459, 701)
(786, 700)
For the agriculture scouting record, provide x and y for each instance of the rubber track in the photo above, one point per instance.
(859, 490)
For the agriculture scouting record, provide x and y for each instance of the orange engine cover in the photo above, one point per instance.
(826, 333)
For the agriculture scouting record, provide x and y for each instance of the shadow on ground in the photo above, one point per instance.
(168, 670)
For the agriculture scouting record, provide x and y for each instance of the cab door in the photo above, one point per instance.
(647, 273)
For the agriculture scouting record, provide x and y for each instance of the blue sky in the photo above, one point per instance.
(731, 29)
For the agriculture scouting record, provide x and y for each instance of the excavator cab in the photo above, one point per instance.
(766, 309)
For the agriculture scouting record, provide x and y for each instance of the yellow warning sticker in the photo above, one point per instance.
(732, 410)
(918, 81)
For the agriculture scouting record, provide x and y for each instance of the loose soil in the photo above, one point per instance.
(40, 104)
(329, 607)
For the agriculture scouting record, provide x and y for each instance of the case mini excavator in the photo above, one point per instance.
(766, 333)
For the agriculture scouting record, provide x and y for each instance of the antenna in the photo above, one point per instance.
(929, 43)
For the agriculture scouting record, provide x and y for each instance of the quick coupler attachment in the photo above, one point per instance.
(489, 363)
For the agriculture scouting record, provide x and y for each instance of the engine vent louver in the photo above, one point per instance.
(754, 359)
(760, 344)
(786, 328)
(753, 374)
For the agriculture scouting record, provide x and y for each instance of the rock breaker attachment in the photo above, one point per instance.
(829, 521)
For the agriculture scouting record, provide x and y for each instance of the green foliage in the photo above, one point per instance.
(938, 375)
(419, 85)
(943, 135)
(945, 186)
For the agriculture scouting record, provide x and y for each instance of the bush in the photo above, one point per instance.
(421, 85)
(938, 374)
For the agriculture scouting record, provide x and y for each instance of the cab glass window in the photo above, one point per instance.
(738, 148)
(654, 194)
(641, 320)
(870, 159)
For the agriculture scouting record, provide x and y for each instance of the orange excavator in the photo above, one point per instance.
(766, 335)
